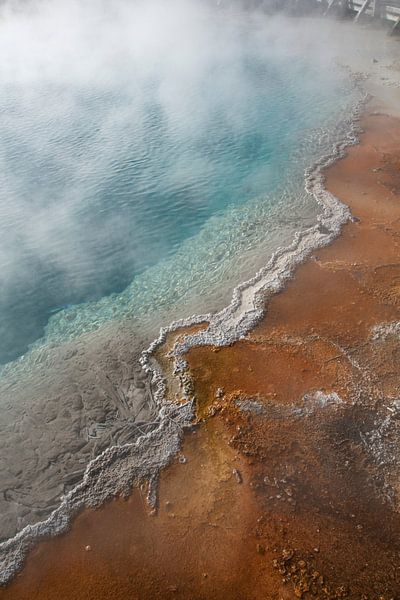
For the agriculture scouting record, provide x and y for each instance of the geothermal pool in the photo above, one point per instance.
(142, 168)
(153, 157)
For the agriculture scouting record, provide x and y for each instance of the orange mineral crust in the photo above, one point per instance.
(289, 485)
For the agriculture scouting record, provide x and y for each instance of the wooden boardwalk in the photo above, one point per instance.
(383, 10)
(386, 12)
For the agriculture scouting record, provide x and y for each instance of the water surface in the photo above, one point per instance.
(153, 157)
(140, 167)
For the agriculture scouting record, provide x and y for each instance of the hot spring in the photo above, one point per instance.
(153, 157)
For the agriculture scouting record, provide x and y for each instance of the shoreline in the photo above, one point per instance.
(84, 394)
(238, 330)
(232, 323)
(269, 381)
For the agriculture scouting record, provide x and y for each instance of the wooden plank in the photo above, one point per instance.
(362, 10)
(393, 13)
(395, 26)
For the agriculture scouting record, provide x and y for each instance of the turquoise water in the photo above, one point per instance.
(153, 157)
(152, 174)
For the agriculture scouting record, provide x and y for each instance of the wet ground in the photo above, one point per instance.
(288, 485)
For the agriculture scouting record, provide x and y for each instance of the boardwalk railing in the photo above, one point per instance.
(378, 9)
(385, 10)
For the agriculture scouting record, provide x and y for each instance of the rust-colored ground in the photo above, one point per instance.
(285, 493)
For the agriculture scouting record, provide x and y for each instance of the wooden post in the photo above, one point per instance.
(345, 7)
(377, 9)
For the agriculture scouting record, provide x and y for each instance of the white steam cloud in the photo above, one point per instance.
(55, 56)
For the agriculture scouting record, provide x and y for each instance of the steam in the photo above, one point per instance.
(75, 79)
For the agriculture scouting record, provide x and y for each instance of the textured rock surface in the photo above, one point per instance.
(92, 393)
